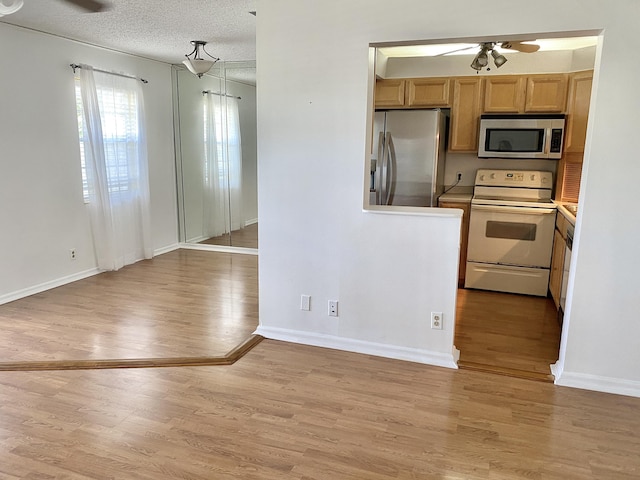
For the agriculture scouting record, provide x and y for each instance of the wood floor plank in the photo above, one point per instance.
(287, 411)
(183, 304)
(507, 334)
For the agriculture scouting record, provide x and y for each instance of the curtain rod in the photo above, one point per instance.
(75, 65)
(205, 92)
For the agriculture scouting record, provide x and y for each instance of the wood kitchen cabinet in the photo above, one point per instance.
(428, 92)
(577, 111)
(390, 93)
(546, 93)
(413, 93)
(557, 264)
(557, 258)
(465, 112)
(525, 94)
(504, 94)
(464, 234)
(570, 166)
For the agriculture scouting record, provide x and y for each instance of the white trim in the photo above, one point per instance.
(219, 248)
(198, 239)
(413, 211)
(585, 381)
(360, 346)
(25, 292)
(167, 249)
(250, 222)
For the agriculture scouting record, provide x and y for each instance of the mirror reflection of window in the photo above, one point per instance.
(217, 156)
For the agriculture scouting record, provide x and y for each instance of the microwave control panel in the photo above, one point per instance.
(556, 140)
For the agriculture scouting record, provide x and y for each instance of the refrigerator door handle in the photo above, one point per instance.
(379, 167)
(391, 161)
(384, 170)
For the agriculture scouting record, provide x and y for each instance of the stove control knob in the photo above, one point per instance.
(533, 177)
(493, 175)
(545, 179)
(482, 178)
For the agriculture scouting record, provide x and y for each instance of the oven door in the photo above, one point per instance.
(511, 235)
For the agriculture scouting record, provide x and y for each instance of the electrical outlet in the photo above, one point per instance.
(458, 176)
(72, 254)
(305, 302)
(436, 320)
(333, 308)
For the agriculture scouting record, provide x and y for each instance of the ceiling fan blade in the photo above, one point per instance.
(456, 50)
(90, 5)
(520, 47)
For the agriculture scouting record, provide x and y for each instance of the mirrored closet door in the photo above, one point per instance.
(215, 124)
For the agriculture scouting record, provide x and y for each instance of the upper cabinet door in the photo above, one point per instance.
(504, 94)
(546, 93)
(578, 111)
(465, 111)
(429, 92)
(390, 93)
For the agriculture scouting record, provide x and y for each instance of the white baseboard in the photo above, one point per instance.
(250, 222)
(167, 249)
(585, 381)
(219, 248)
(58, 282)
(359, 346)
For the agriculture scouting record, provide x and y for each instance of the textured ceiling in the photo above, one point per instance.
(155, 29)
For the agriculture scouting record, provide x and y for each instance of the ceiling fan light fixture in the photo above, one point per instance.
(498, 58)
(7, 7)
(481, 60)
(195, 63)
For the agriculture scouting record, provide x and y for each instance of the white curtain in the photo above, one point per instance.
(117, 175)
(234, 146)
(222, 198)
(215, 196)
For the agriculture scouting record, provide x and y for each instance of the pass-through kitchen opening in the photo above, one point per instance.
(502, 140)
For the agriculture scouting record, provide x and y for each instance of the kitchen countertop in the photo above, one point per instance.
(568, 210)
(461, 194)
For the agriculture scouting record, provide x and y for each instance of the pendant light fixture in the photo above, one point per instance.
(196, 64)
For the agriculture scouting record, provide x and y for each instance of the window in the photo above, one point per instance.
(119, 122)
(114, 166)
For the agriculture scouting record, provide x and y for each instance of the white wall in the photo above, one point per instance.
(42, 212)
(312, 135)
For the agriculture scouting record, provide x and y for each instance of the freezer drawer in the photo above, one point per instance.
(505, 278)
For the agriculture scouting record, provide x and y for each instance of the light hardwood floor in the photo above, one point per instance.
(185, 303)
(288, 411)
(507, 333)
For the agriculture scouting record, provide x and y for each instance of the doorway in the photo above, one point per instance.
(507, 333)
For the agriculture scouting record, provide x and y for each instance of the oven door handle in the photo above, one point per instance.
(517, 210)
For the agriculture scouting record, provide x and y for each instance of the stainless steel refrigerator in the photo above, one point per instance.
(407, 165)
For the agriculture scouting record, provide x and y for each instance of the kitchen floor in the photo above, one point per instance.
(515, 335)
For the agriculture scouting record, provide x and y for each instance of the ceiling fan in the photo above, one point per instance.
(8, 7)
(481, 60)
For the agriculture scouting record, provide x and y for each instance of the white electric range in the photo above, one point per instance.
(511, 231)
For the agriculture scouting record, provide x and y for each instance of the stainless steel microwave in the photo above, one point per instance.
(521, 136)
